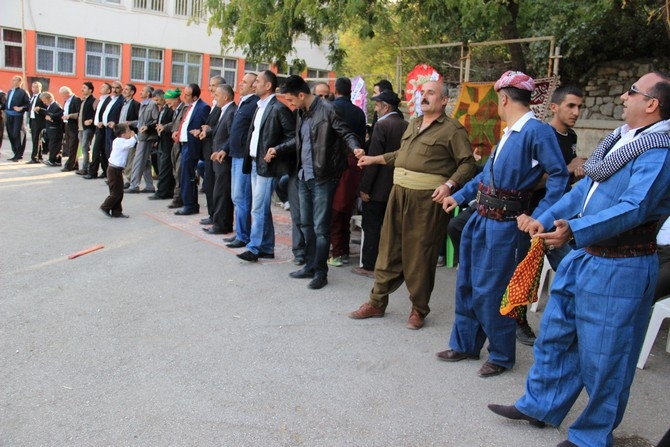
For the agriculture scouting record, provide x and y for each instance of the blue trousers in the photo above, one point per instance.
(316, 206)
(241, 190)
(590, 337)
(262, 237)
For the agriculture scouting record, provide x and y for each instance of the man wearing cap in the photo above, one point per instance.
(377, 180)
(491, 244)
(595, 321)
(434, 158)
(166, 102)
(85, 124)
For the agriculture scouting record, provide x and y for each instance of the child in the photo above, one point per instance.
(124, 141)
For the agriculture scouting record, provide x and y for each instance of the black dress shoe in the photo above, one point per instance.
(262, 255)
(131, 191)
(236, 244)
(230, 239)
(147, 191)
(183, 212)
(299, 260)
(248, 256)
(567, 443)
(11, 159)
(125, 216)
(89, 177)
(206, 221)
(79, 172)
(32, 162)
(16, 160)
(103, 175)
(213, 230)
(454, 356)
(126, 185)
(174, 205)
(317, 283)
(511, 412)
(105, 212)
(302, 273)
(489, 369)
(155, 197)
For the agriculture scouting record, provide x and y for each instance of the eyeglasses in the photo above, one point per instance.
(633, 90)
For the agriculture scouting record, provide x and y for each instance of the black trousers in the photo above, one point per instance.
(55, 137)
(372, 220)
(71, 149)
(166, 181)
(222, 201)
(35, 129)
(98, 156)
(455, 228)
(663, 284)
(16, 134)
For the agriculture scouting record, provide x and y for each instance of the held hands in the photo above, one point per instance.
(88, 122)
(365, 197)
(358, 153)
(449, 204)
(529, 225)
(440, 193)
(576, 167)
(270, 154)
(557, 238)
(143, 129)
(218, 156)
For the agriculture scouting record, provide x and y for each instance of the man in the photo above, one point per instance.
(377, 88)
(322, 90)
(377, 180)
(175, 156)
(112, 116)
(347, 188)
(98, 157)
(318, 147)
(594, 324)
(165, 103)
(3, 105)
(146, 138)
(127, 110)
(71, 106)
(235, 147)
(272, 125)
(18, 103)
(85, 125)
(222, 203)
(205, 134)
(36, 121)
(434, 158)
(492, 245)
(191, 148)
(54, 128)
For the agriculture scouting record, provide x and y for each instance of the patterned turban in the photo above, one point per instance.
(515, 79)
(172, 94)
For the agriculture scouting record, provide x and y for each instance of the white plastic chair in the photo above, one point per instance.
(548, 275)
(357, 222)
(661, 312)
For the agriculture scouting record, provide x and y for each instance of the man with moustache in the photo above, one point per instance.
(165, 103)
(85, 125)
(54, 128)
(98, 157)
(71, 106)
(112, 116)
(36, 121)
(434, 159)
(146, 137)
(17, 104)
(594, 323)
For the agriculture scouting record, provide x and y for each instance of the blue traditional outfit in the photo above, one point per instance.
(594, 323)
(492, 245)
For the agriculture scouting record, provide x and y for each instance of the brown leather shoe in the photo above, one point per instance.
(511, 412)
(489, 369)
(454, 356)
(367, 310)
(415, 320)
(361, 271)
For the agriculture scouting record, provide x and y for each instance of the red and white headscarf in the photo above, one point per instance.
(515, 79)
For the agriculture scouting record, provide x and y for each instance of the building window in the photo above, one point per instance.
(186, 68)
(255, 68)
(189, 8)
(227, 68)
(55, 54)
(103, 60)
(11, 48)
(149, 5)
(313, 73)
(146, 65)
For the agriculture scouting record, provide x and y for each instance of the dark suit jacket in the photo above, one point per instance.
(131, 116)
(20, 99)
(198, 118)
(73, 116)
(277, 126)
(39, 120)
(212, 121)
(55, 126)
(221, 132)
(87, 111)
(236, 146)
(165, 117)
(377, 180)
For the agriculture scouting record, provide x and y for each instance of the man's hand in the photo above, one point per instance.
(48, 118)
(365, 197)
(270, 154)
(557, 238)
(194, 132)
(88, 122)
(440, 193)
(358, 153)
(576, 167)
(449, 204)
(143, 129)
(175, 136)
(529, 225)
(218, 156)
(111, 124)
(17, 109)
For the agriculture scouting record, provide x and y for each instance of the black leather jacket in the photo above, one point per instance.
(331, 139)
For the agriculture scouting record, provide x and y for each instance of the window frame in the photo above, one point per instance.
(186, 64)
(56, 53)
(6, 43)
(147, 61)
(222, 70)
(104, 56)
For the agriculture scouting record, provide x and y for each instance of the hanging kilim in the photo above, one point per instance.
(522, 288)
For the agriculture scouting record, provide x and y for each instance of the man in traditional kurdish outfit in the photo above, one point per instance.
(435, 158)
(594, 324)
(492, 245)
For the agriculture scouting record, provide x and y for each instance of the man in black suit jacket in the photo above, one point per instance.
(165, 186)
(206, 135)
(222, 203)
(54, 129)
(37, 121)
(112, 115)
(85, 124)
(17, 104)
(272, 125)
(71, 106)
(98, 158)
(128, 112)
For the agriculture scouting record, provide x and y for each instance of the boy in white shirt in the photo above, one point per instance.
(124, 141)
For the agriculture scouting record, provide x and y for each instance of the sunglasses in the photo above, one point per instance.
(633, 90)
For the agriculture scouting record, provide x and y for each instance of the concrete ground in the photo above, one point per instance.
(165, 338)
